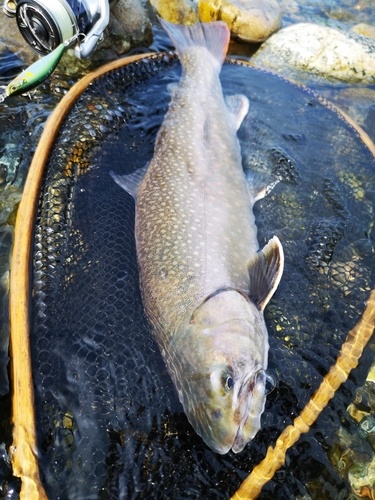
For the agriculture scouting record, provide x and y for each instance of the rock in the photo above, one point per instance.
(362, 479)
(177, 11)
(320, 50)
(11, 37)
(353, 453)
(364, 29)
(128, 27)
(249, 20)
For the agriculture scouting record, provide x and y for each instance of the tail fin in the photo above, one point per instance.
(214, 36)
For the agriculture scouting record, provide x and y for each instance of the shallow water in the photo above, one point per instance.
(21, 121)
(343, 15)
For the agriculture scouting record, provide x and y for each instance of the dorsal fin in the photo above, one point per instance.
(238, 106)
(265, 271)
(130, 182)
(214, 36)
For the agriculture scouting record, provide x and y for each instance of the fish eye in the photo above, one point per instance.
(229, 382)
(222, 379)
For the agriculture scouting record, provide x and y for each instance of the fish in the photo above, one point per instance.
(204, 281)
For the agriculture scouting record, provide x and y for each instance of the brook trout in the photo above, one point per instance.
(204, 283)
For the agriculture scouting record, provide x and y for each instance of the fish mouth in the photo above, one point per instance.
(241, 438)
(239, 441)
(247, 395)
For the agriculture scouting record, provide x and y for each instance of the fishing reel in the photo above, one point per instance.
(45, 24)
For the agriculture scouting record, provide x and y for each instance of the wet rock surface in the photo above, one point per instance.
(348, 57)
(129, 27)
(177, 11)
(249, 20)
(353, 453)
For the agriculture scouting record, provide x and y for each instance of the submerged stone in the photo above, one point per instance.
(362, 479)
(249, 20)
(353, 454)
(322, 51)
(364, 29)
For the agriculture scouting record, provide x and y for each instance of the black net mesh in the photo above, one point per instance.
(109, 421)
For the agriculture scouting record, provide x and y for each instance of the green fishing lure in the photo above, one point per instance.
(35, 74)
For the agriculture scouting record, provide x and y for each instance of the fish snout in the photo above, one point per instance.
(250, 405)
(242, 402)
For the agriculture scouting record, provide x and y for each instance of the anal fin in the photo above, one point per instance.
(265, 271)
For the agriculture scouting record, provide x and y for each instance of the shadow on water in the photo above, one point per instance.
(109, 422)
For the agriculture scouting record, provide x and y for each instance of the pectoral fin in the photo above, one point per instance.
(172, 88)
(265, 271)
(130, 182)
(259, 184)
(238, 106)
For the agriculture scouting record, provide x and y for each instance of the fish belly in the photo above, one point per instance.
(195, 227)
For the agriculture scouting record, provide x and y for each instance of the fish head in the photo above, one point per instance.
(223, 384)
